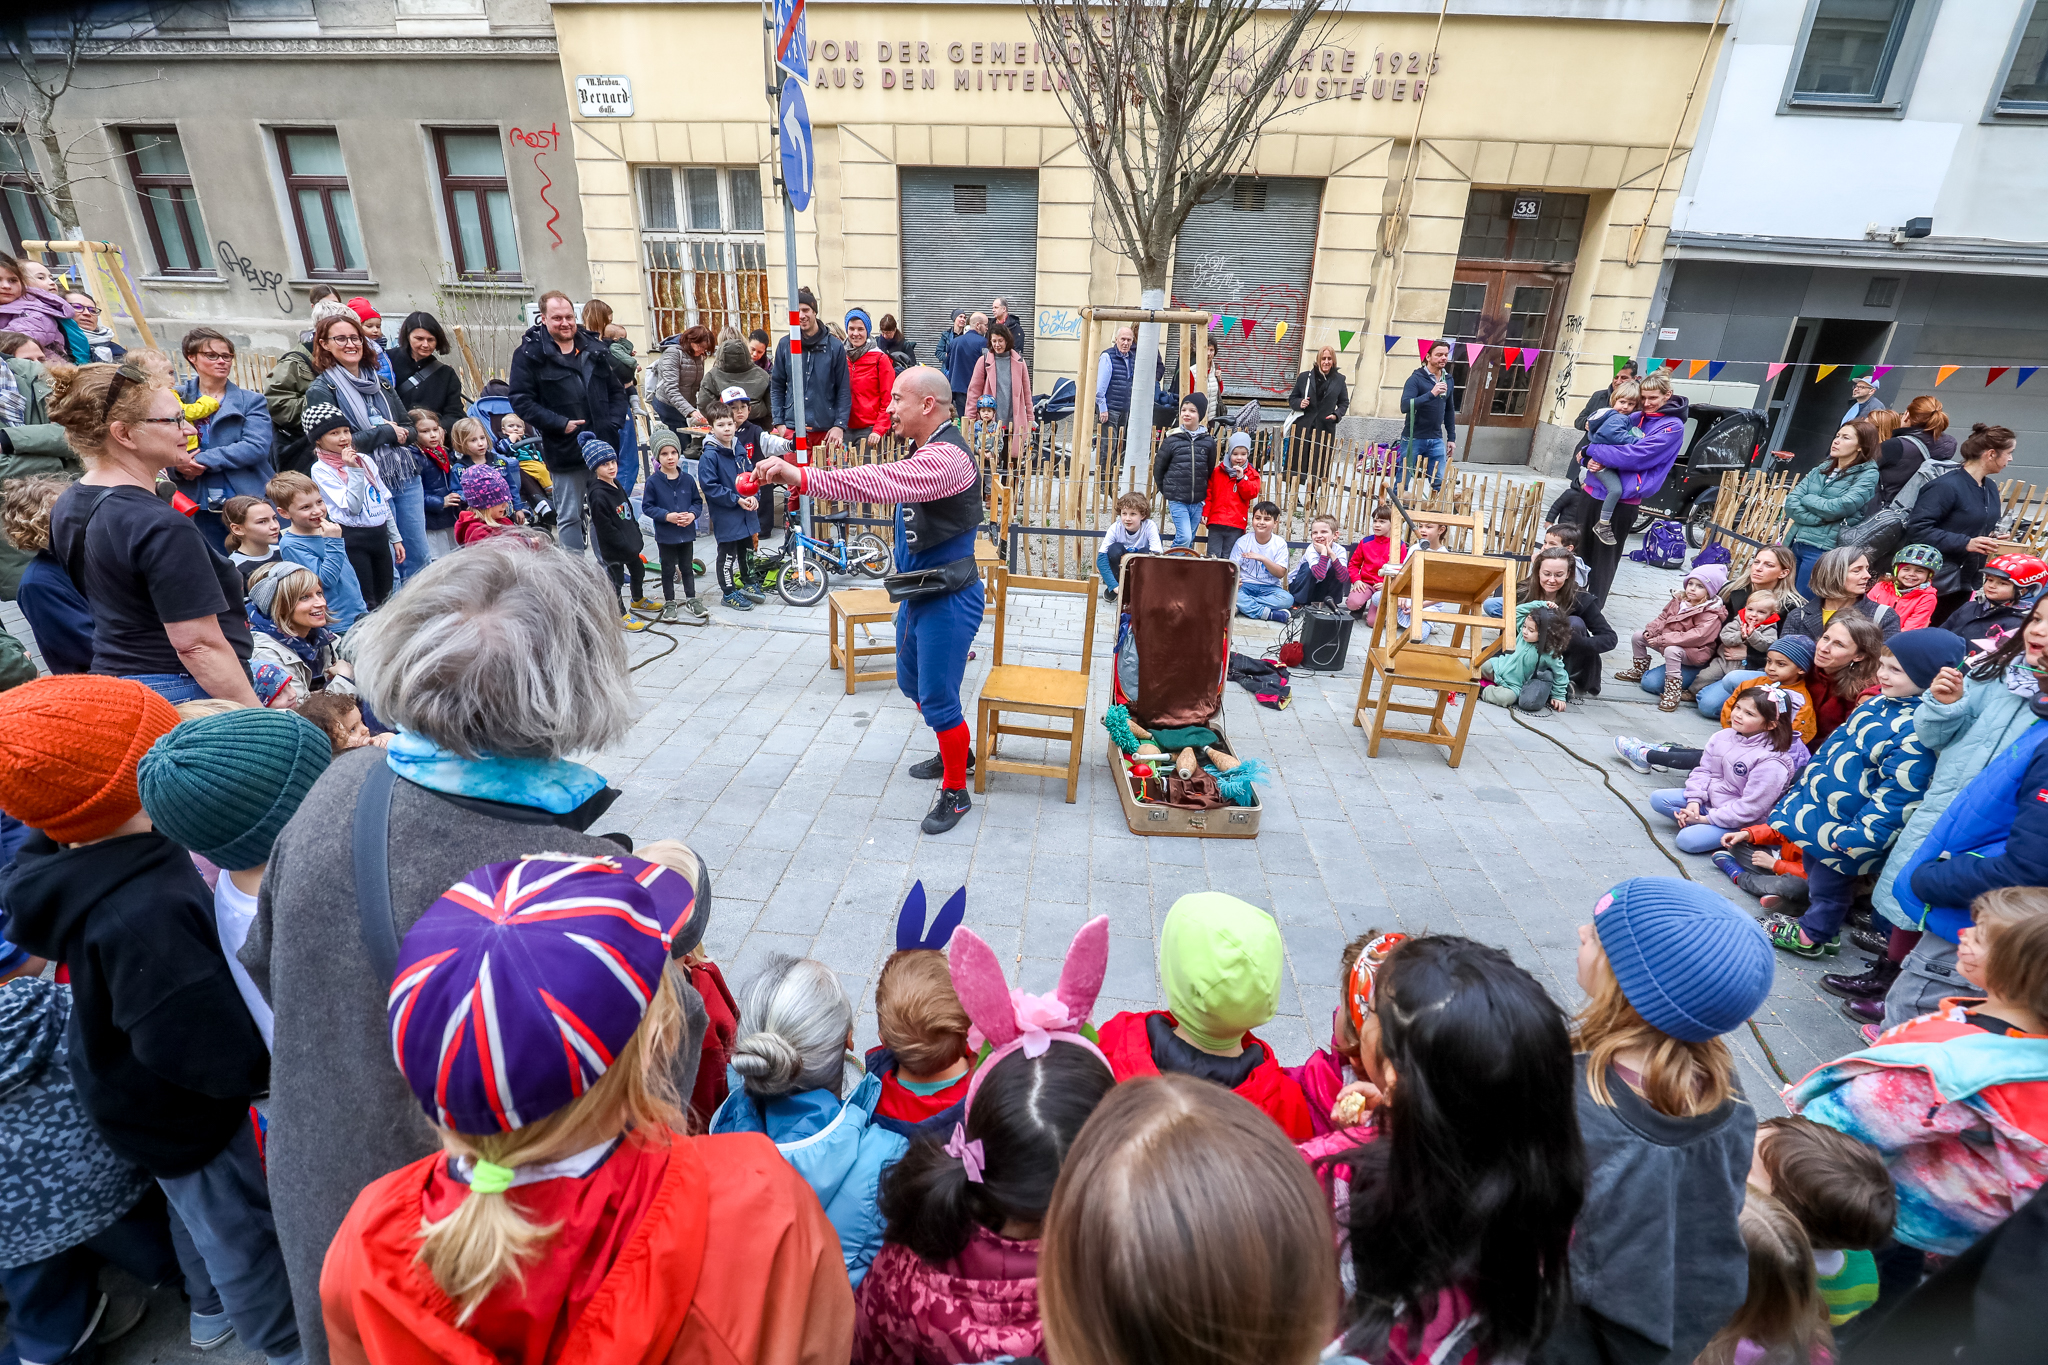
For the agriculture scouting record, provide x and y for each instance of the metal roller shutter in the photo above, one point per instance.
(969, 236)
(1250, 252)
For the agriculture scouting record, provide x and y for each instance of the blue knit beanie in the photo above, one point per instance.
(1797, 648)
(1690, 963)
(1924, 653)
(595, 450)
(223, 786)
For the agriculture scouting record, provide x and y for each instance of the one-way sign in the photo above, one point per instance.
(792, 50)
(798, 170)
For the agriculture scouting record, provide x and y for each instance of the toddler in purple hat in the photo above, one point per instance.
(488, 505)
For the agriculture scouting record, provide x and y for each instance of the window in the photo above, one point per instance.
(22, 217)
(170, 206)
(1493, 233)
(479, 203)
(2026, 76)
(1851, 49)
(707, 261)
(316, 182)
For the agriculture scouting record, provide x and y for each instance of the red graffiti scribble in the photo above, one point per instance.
(543, 140)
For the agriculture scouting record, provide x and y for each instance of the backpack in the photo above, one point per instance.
(1663, 546)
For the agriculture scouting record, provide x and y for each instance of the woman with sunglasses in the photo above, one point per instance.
(346, 374)
(232, 455)
(166, 606)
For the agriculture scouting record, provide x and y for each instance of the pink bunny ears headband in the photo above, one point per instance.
(1013, 1021)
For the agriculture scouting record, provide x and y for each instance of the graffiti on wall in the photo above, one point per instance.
(541, 141)
(263, 281)
(1258, 362)
(1059, 324)
(1563, 360)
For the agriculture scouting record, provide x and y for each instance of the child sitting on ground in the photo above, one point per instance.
(252, 534)
(1785, 667)
(1261, 559)
(675, 505)
(1219, 965)
(488, 511)
(340, 717)
(1612, 426)
(1345, 1082)
(1320, 575)
(1668, 966)
(1852, 802)
(1840, 1193)
(1909, 590)
(1369, 560)
(798, 1083)
(923, 1061)
(471, 442)
(1531, 675)
(1233, 488)
(1782, 1316)
(615, 529)
(1753, 629)
(957, 1276)
(1956, 1102)
(313, 542)
(1742, 772)
(1687, 631)
(2000, 607)
(440, 481)
(223, 787)
(1770, 865)
(1132, 533)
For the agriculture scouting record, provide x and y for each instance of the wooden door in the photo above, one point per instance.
(1500, 306)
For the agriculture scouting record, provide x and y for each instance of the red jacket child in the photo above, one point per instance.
(1231, 496)
(1915, 606)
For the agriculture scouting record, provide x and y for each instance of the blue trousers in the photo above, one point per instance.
(409, 510)
(51, 1301)
(932, 641)
(1186, 517)
(1831, 895)
(1668, 801)
(1715, 694)
(1806, 556)
(1653, 681)
(225, 1205)
(1255, 599)
(1421, 451)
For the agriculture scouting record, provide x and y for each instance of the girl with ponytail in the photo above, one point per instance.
(958, 1276)
(536, 1014)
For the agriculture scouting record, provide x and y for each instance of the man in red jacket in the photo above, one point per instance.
(870, 375)
(1219, 962)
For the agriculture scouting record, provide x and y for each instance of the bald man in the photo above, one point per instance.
(937, 492)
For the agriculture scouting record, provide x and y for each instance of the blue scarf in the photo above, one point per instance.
(554, 785)
(307, 647)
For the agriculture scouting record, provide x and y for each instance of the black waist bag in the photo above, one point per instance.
(925, 585)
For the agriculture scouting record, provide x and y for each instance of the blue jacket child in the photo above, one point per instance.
(327, 557)
(438, 483)
(718, 470)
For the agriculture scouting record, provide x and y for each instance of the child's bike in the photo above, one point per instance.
(804, 575)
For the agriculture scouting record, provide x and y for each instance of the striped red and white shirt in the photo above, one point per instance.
(937, 469)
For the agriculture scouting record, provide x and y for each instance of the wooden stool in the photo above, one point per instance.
(1441, 591)
(850, 607)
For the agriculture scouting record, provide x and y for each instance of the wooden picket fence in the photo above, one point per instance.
(2024, 520)
(1751, 503)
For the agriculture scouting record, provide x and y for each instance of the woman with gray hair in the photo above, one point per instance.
(791, 1065)
(495, 665)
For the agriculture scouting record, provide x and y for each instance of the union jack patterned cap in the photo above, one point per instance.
(522, 983)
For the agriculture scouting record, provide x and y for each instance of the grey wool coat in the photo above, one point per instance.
(341, 1114)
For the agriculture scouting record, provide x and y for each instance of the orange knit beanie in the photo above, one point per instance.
(68, 749)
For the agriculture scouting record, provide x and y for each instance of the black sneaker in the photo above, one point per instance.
(947, 808)
(935, 766)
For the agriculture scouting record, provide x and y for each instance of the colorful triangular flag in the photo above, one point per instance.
(1247, 325)
(1510, 355)
(1943, 373)
(1694, 367)
(1671, 363)
(1620, 361)
(1387, 343)
(1992, 378)
(2026, 373)
(1422, 344)
(1714, 367)
(1279, 331)
(1229, 321)
(1880, 371)
(1474, 350)
(1861, 371)
(1774, 369)
(1529, 355)
(1825, 371)
(1344, 339)
(1214, 318)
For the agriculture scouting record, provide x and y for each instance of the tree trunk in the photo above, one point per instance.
(58, 182)
(1144, 382)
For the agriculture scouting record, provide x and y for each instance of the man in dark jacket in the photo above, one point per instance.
(961, 358)
(1181, 469)
(563, 383)
(1429, 407)
(828, 386)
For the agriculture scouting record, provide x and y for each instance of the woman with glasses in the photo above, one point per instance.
(98, 335)
(345, 374)
(166, 606)
(231, 456)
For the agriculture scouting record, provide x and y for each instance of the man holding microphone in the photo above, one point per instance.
(1432, 410)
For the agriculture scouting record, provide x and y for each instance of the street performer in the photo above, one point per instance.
(937, 490)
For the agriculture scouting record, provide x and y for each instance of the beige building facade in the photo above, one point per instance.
(948, 173)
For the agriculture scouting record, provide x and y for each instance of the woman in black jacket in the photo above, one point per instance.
(902, 352)
(1923, 436)
(1319, 398)
(1957, 513)
(422, 378)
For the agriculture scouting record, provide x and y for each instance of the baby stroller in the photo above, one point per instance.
(1047, 411)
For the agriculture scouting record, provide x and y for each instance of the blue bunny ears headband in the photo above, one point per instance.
(911, 931)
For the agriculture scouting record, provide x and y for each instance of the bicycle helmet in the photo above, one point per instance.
(1921, 556)
(2024, 570)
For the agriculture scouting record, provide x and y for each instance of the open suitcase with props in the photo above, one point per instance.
(1169, 756)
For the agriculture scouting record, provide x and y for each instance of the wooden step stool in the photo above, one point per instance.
(851, 607)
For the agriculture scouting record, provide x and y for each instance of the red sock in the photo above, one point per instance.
(953, 748)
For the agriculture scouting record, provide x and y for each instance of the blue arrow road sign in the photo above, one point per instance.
(798, 167)
(792, 50)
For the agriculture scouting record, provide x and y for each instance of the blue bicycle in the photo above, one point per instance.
(807, 563)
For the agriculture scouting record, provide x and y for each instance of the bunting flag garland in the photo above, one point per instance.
(1943, 373)
(1824, 372)
(1389, 343)
(1529, 357)
(1229, 321)
(1509, 355)
(1714, 368)
(1246, 325)
(1881, 371)
(1992, 378)
(1693, 368)
(2026, 373)
(1280, 332)
(1422, 345)
(1474, 350)
(1214, 318)
(1861, 371)
(1774, 369)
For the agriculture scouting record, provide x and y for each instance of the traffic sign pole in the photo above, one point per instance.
(786, 50)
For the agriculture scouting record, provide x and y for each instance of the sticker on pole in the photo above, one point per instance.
(798, 169)
(792, 49)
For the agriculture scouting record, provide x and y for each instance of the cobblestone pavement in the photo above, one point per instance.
(748, 748)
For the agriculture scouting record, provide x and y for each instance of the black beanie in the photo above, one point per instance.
(1924, 653)
(1200, 401)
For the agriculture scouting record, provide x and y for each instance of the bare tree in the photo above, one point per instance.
(1169, 98)
(43, 54)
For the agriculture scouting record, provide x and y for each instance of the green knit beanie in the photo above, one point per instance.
(1219, 960)
(224, 786)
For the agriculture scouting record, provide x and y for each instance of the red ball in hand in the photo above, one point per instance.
(747, 485)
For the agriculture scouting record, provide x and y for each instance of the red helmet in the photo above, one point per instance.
(2025, 570)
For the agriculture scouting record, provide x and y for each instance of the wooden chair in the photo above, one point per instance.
(858, 607)
(1441, 589)
(988, 554)
(1017, 688)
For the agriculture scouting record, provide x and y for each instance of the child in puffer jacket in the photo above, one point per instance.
(1687, 632)
(1850, 805)
(1532, 674)
(1909, 589)
(1233, 488)
(1742, 772)
(1749, 633)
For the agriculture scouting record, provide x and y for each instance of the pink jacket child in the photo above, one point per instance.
(37, 314)
(1688, 630)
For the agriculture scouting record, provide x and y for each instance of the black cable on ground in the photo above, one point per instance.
(1608, 781)
(675, 642)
